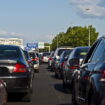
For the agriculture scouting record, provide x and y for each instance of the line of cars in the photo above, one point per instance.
(17, 68)
(82, 70)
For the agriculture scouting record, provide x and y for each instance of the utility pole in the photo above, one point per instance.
(89, 36)
(88, 9)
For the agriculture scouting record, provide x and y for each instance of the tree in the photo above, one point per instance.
(75, 36)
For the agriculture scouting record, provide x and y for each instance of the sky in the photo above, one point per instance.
(41, 20)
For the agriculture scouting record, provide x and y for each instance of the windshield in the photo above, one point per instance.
(9, 52)
(32, 55)
(66, 53)
(81, 53)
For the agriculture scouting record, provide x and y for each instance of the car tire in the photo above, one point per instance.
(91, 100)
(37, 71)
(27, 97)
(103, 102)
(66, 89)
(56, 75)
(64, 85)
(74, 102)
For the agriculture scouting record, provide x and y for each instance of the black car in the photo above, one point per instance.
(89, 78)
(3, 93)
(72, 64)
(15, 71)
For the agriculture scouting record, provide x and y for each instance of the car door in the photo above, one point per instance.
(82, 74)
(87, 68)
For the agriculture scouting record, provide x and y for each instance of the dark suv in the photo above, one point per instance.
(89, 79)
(15, 71)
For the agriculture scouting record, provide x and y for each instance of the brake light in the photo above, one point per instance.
(62, 64)
(103, 76)
(29, 61)
(86, 77)
(35, 59)
(73, 67)
(50, 58)
(20, 68)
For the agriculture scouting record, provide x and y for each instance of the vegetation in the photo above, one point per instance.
(75, 36)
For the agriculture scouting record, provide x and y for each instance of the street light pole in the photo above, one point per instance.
(57, 41)
(89, 36)
(88, 9)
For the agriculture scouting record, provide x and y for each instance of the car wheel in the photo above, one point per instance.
(92, 102)
(56, 75)
(37, 71)
(103, 102)
(74, 102)
(66, 89)
(27, 97)
(63, 84)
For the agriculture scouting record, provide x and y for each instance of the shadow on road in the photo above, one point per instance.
(59, 87)
(64, 104)
(15, 97)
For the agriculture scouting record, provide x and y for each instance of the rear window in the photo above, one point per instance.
(32, 55)
(9, 52)
(60, 51)
(81, 53)
(67, 52)
(46, 54)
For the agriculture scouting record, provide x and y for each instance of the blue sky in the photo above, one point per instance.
(40, 20)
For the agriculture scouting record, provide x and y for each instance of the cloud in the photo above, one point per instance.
(5, 33)
(90, 8)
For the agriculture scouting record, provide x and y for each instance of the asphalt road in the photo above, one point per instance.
(47, 90)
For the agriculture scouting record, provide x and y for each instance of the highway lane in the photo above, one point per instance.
(47, 90)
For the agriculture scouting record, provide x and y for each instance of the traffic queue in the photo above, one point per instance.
(82, 70)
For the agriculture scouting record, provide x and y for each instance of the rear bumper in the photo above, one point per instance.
(17, 83)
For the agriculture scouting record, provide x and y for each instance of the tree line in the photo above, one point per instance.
(75, 36)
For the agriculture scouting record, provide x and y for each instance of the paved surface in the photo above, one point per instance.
(47, 90)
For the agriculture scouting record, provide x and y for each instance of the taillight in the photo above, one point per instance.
(86, 77)
(102, 79)
(29, 61)
(50, 58)
(20, 68)
(73, 67)
(35, 59)
(62, 64)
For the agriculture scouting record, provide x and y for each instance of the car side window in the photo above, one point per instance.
(90, 53)
(98, 52)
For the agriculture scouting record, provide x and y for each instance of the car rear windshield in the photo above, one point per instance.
(81, 53)
(32, 55)
(60, 51)
(46, 54)
(9, 52)
(67, 52)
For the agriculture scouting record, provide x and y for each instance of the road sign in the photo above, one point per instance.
(32, 45)
(41, 45)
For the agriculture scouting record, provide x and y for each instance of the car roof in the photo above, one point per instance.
(10, 46)
(81, 47)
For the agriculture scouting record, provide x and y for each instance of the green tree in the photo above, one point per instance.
(75, 36)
